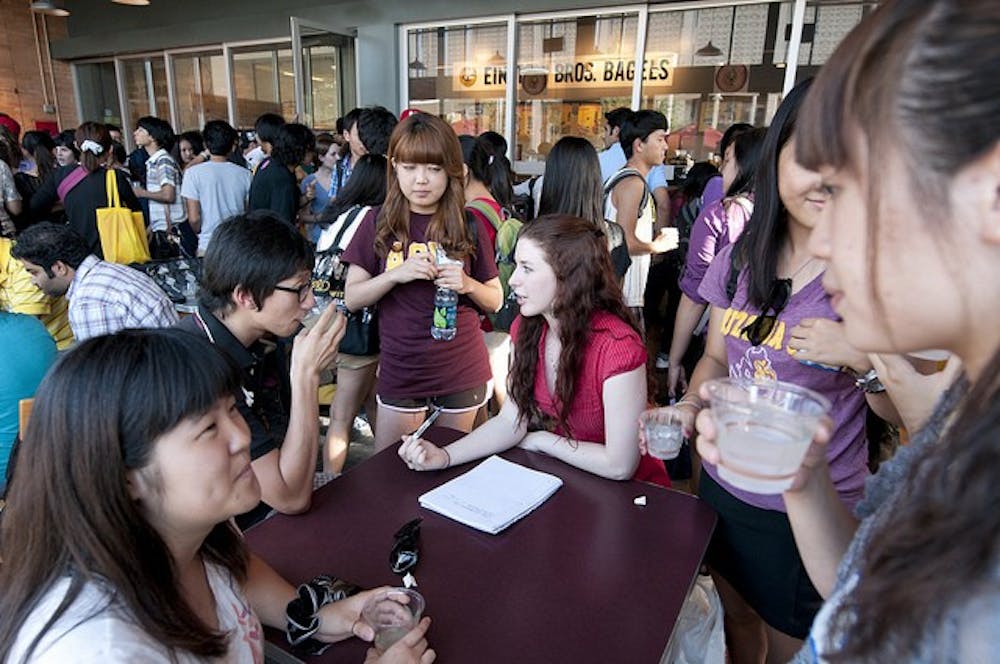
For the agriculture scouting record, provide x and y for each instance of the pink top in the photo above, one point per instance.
(613, 348)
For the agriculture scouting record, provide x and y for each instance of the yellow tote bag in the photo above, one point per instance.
(122, 231)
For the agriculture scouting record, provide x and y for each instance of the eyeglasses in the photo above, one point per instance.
(302, 291)
(761, 327)
(405, 552)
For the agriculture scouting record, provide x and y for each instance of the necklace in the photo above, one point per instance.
(801, 267)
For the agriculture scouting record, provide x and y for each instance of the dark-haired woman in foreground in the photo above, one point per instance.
(117, 540)
(912, 240)
(578, 365)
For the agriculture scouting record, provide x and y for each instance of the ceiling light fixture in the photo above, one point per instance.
(48, 7)
(132, 3)
(497, 59)
(709, 50)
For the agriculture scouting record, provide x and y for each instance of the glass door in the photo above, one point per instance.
(324, 64)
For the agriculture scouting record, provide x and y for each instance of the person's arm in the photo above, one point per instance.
(689, 313)
(14, 206)
(193, 206)
(269, 595)
(286, 474)
(913, 393)
(166, 194)
(363, 290)
(498, 434)
(661, 195)
(624, 397)
(627, 196)
(487, 296)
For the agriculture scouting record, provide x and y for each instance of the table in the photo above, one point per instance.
(587, 577)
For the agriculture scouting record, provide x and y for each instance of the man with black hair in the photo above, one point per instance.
(274, 186)
(163, 183)
(103, 297)
(216, 189)
(612, 158)
(266, 130)
(256, 283)
(347, 126)
(373, 129)
(627, 201)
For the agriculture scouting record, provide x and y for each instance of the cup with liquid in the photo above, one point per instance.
(663, 433)
(392, 614)
(763, 430)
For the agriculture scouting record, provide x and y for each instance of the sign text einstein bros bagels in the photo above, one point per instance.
(596, 72)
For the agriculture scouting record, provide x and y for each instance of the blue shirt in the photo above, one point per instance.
(20, 372)
(612, 160)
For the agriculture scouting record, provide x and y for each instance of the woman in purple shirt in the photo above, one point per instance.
(718, 225)
(768, 598)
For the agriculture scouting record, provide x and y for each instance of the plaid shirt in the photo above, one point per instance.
(107, 297)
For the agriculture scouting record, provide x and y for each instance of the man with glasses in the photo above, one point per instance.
(255, 291)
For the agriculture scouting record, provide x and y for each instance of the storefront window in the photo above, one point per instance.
(145, 89)
(824, 27)
(570, 72)
(263, 82)
(199, 89)
(460, 74)
(98, 92)
(717, 74)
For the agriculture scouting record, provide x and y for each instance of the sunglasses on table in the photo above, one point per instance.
(758, 330)
(405, 550)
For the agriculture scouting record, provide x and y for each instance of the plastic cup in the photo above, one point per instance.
(764, 429)
(663, 432)
(392, 614)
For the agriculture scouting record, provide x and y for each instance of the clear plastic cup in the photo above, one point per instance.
(392, 614)
(763, 430)
(663, 433)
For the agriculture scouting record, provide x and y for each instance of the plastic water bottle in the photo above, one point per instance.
(445, 311)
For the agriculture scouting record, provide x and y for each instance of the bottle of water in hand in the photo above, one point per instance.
(445, 307)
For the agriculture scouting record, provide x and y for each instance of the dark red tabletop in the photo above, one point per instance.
(587, 577)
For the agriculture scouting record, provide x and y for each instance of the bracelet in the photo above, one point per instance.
(691, 399)
(301, 612)
(448, 464)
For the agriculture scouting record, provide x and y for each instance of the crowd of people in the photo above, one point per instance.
(828, 250)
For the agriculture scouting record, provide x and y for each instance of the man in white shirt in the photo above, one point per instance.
(628, 202)
(163, 176)
(218, 189)
(613, 157)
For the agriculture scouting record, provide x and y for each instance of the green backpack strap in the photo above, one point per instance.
(485, 209)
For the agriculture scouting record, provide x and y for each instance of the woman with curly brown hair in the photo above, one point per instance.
(578, 366)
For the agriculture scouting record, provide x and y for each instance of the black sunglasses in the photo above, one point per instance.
(405, 552)
(758, 330)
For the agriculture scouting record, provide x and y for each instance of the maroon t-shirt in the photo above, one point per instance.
(413, 365)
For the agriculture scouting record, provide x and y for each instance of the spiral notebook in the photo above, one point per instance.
(491, 496)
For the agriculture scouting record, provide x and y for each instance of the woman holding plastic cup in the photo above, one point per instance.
(903, 126)
(760, 288)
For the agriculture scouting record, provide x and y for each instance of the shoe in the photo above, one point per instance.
(662, 361)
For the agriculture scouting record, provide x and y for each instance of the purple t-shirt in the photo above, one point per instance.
(847, 452)
(713, 192)
(412, 365)
(717, 226)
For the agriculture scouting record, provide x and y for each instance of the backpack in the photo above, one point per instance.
(507, 227)
(618, 177)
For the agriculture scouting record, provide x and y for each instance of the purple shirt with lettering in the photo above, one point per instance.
(847, 452)
(412, 365)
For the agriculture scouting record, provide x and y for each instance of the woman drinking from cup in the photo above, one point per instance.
(759, 289)
(117, 539)
(903, 123)
(578, 366)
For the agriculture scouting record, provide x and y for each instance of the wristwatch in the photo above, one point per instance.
(869, 382)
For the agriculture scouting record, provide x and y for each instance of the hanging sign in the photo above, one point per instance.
(593, 72)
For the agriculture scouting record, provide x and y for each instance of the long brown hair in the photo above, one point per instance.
(69, 514)
(425, 139)
(919, 77)
(586, 283)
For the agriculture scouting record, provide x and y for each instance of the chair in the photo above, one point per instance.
(23, 413)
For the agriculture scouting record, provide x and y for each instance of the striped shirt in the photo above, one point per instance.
(107, 297)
